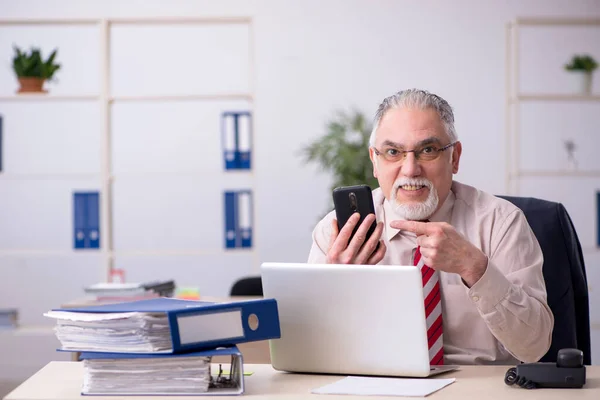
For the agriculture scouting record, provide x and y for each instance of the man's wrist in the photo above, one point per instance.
(473, 273)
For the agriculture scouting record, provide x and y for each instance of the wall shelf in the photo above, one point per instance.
(11, 176)
(554, 97)
(49, 97)
(124, 253)
(556, 173)
(182, 97)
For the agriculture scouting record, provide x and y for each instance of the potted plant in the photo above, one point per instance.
(344, 150)
(32, 71)
(581, 68)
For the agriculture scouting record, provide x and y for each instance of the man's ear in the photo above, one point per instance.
(456, 152)
(373, 158)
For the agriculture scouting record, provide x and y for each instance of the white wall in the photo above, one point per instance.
(311, 57)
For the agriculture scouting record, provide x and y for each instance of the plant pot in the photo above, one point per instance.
(581, 82)
(31, 85)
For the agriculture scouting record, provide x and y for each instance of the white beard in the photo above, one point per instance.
(418, 211)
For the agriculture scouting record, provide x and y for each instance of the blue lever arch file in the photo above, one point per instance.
(0, 143)
(86, 220)
(237, 139)
(114, 373)
(191, 325)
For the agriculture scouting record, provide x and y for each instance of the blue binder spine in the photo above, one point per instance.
(1, 143)
(237, 322)
(598, 218)
(231, 229)
(229, 137)
(244, 130)
(79, 220)
(245, 217)
(93, 220)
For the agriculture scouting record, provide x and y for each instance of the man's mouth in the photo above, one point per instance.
(411, 187)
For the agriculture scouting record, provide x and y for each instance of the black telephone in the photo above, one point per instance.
(567, 372)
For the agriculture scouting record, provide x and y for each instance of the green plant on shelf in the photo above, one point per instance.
(584, 63)
(32, 70)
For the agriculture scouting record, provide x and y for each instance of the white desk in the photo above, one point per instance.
(61, 380)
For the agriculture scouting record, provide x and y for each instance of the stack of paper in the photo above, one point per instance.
(146, 376)
(131, 291)
(132, 332)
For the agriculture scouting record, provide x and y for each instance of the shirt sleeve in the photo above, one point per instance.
(511, 294)
(320, 240)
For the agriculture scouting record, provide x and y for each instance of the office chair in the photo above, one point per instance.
(564, 274)
(248, 286)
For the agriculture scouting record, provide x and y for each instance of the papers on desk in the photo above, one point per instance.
(118, 332)
(162, 374)
(142, 376)
(368, 386)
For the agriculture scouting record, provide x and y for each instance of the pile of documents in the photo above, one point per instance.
(131, 291)
(113, 332)
(163, 346)
(146, 376)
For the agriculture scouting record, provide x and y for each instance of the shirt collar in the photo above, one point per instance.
(442, 215)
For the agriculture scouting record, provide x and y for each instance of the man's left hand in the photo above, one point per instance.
(444, 249)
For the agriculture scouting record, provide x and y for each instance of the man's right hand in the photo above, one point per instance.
(354, 252)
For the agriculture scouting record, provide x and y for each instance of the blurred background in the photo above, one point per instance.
(193, 140)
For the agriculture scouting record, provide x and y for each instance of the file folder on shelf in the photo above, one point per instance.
(162, 374)
(165, 325)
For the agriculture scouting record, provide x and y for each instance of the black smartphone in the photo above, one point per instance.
(353, 199)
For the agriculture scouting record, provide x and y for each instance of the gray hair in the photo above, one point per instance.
(419, 99)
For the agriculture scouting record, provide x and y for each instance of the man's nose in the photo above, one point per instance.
(410, 165)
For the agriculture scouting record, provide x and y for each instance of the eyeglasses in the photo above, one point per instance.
(428, 152)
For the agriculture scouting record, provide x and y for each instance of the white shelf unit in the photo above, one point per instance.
(514, 98)
(106, 100)
(553, 180)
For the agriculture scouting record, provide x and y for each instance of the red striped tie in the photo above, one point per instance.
(433, 310)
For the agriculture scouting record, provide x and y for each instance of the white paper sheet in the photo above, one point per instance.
(368, 386)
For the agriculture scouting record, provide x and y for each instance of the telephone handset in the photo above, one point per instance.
(567, 372)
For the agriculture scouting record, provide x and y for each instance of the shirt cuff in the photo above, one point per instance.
(490, 289)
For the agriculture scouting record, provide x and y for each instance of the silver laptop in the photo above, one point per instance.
(349, 319)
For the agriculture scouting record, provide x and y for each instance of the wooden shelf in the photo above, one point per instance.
(555, 97)
(181, 97)
(556, 173)
(48, 97)
(47, 176)
(557, 21)
(124, 253)
(242, 173)
(181, 252)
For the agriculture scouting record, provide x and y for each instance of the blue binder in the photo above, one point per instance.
(236, 130)
(227, 323)
(236, 369)
(230, 220)
(86, 219)
(79, 220)
(0, 143)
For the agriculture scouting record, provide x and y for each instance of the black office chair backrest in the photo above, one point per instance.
(564, 274)
(248, 286)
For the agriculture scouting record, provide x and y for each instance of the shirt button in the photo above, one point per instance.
(475, 298)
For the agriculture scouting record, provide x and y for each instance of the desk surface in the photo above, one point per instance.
(62, 380)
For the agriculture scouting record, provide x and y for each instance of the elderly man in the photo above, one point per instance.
(486, 261)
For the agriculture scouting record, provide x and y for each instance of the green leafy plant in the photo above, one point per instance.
(582, 63)
(31, 65)
(344, 150)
